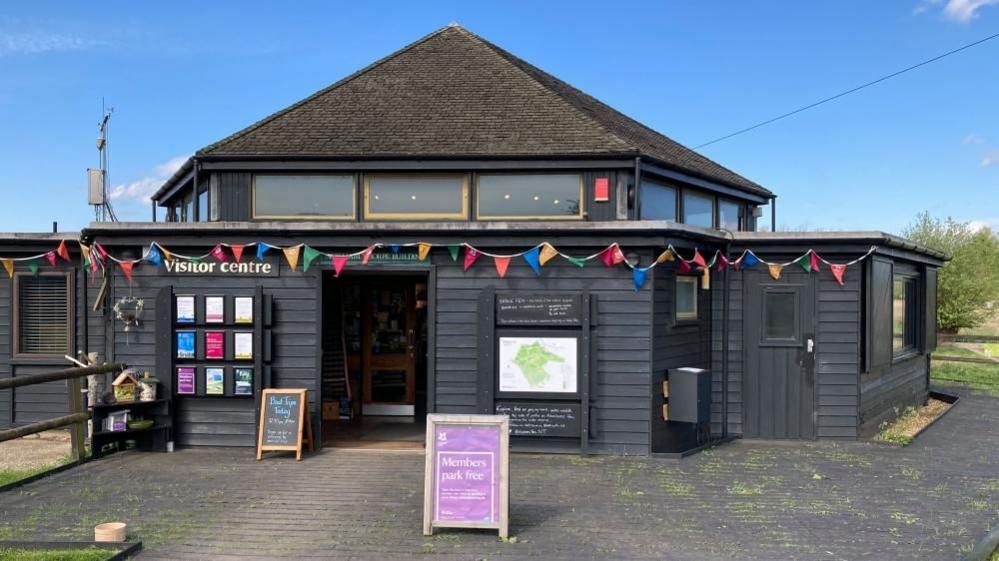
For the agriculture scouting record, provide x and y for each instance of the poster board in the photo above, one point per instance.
(284, 416)
(539, 364)
(467, 477)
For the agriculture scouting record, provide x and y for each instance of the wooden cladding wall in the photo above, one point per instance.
(735, 353)
(6, 322)
(620, 340)
(881, 397)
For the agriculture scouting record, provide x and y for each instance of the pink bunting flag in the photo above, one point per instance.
(126, 267)
(366, 254)
(51, 258)
(501, 264)
(471, 254)
(684, 266)
(101, 252)
(699, 259)
(237, 251)
(63, 251)
(814, 262)
(721, 262)
(339, 262)
(837, 271)
(612, 255)
(218, 252)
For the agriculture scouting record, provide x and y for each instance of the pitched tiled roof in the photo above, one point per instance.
(453, 94)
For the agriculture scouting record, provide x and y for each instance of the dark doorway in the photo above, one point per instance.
(374, 360)
(779, 325)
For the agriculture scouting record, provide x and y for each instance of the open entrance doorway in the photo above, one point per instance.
(374, 363)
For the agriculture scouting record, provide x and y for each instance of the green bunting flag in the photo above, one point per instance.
(453, 250)
(805, 263)
(33, 265)
(195, 260)
(308, 257)
(577, 261)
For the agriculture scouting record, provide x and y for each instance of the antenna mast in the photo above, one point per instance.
(98, 178)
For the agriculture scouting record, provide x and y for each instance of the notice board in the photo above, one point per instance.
(283, 419)
(466, 483)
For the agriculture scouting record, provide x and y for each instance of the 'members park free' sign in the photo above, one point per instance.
(467, 473)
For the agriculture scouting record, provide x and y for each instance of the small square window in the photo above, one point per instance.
(686, 297)
(780, 316)
(904, 315)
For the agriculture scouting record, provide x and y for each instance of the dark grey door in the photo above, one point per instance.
(779, 385)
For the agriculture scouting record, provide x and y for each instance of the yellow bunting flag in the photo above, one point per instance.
(424, 250)
(166, 254)
(9, 265)
(547, 253)
(775, 270)
(291, 254)
(665, 256)
(706, 278)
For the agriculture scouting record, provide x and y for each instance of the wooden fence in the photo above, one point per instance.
(78, 416)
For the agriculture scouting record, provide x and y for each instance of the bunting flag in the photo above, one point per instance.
(747, 260)
(218, 252)
(684, 266)
(804, 263)
(532, 257)
(84, 255)
(453, 250)
(471, 254)
(101, 253)
(395, 248)
(638, 277)
(93, 264)
(665, 256)
(62, 251)
(339, 262)
(577, 261)
(51, 258)
(33, 266)
(814, 261)
(9, 265)
(261, 250)
(699, 259)
(775, 270)
(837, 272)
(237, 251)
(547, 253)
(126, 267)
(154, 256)
(166, 254)
(612, 255)
(196, 260)
(722, 262)
(308, 257)
(291, 254)
(366, 254)
(422, 249)
(706, 278)
(501, 264)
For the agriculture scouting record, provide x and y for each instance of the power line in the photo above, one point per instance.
(847, 92)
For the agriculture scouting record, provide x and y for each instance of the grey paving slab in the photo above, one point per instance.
(745, 500)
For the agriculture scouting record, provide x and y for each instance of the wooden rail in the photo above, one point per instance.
(78, 416)
(969, 359)
(954, 338)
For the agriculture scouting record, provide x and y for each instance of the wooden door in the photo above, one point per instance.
(389, 347)
(779, 326)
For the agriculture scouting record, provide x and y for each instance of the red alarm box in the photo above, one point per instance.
(601, 190)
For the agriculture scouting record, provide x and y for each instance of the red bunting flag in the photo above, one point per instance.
(837, 271)
(101, 253)
(699, 259)
(612, 255)
(814, 262)
(237, 251)
(501, 264)
(126, 267)
(51, 258)
(366, 254)
(218, 252)
(471, 254)
(684, 266)
(63, 251)
(339, 262)
(722, 262)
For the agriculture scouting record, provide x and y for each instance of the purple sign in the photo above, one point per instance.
(466, 475)
(185, 380)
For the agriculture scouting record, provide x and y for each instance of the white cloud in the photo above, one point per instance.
(973, 139)
(990, 223)
(990, 158)
(143, 188)
(956, 10)
(36, 43)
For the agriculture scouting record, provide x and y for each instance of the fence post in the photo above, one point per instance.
(77, 430)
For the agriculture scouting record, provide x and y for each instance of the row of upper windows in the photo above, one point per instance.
(658, 201)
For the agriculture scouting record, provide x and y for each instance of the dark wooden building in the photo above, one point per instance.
(452, 145)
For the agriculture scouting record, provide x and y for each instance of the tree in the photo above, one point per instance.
(968, 285)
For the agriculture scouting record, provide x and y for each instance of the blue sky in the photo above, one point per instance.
(183, 75)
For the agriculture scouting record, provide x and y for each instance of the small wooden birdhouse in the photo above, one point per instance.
(124, 387)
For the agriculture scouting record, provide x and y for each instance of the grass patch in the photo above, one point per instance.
(909, 422)
(982, 377)
(8, 476)
(739, 488)
(995, 555)
(956, 351)
(88, 554)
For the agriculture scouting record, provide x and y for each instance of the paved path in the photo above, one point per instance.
(745, 500)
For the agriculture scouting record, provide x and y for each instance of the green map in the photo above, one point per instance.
(532, 359)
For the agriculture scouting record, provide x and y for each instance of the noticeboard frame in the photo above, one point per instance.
(502, 423)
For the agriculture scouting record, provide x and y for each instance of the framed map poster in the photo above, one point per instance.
(214, 309)
(538, 365)
(214, 381)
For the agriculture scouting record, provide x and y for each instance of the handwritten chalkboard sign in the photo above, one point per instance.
(284, 415)
(538, 309)
(538, 418)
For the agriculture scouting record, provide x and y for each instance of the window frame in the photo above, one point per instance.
(711, 197)
(687, 317)
(740, 211)
(306, 217)
(16, 319)
(677, 210)
(368, 215)
(911, 321)
(478, 212)
(797, 338)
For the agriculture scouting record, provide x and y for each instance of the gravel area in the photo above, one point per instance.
(35, 450)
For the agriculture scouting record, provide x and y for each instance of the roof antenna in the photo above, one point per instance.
(97, 179)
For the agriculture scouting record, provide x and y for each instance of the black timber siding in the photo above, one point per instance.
(735, 352)
(295, 332)
(233, 193)
(883, 397)
(621, 339)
